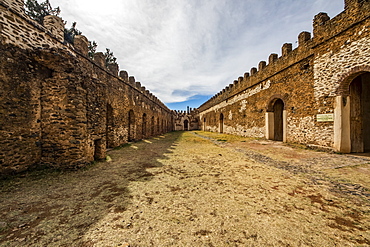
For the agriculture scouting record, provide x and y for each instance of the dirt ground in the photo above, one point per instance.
(194, 189)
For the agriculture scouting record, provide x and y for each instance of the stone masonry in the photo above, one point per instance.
(301, 96)
(58, 107)
(61, 109)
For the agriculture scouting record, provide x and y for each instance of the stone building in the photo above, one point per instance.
(59, 108)
(317, 94)
(186, 120)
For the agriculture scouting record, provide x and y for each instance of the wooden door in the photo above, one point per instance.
(278, 120)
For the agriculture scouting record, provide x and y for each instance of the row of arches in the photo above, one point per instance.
(351, 116)
(133, 126)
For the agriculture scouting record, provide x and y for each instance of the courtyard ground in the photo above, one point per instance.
(194, 189)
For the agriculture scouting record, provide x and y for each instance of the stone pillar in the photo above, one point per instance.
(55, 26)
(269, 122)
(342, 126)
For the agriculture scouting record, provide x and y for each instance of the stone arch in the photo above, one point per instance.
(221, 123)
(276, 118)
(345, 79)
(352, 111)
(273, 99)
(131, 126)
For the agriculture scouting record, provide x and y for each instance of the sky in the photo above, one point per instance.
(185, 51)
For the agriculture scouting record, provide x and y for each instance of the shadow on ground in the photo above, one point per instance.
(51, 208)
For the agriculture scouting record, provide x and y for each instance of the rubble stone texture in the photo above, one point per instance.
(307, 80)
(59, 108)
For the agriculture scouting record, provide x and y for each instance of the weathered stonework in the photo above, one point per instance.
(186, 120)
(59, 108)
(284, 99)
(329, 67)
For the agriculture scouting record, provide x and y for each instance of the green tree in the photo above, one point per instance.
(69, 34)
(92, 49)
(37, 11)
(109, 57)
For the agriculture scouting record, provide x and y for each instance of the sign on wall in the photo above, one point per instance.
(325, 117)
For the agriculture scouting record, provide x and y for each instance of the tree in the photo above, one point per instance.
(92, 49)
(69, 34)
(38, 11)
(109, 57)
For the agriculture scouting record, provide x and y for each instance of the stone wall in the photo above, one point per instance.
(305, 81)
(58, 107)
(186, 120)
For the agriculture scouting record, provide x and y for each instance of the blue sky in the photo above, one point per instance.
(185, 51)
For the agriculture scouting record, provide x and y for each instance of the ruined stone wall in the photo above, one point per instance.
(306, 79)
(59, 108)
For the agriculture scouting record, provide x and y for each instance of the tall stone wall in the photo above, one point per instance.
(58, 107)
(304, 81)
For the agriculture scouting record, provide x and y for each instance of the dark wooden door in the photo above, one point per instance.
(278, 120)
(366, 110)
(356, 116)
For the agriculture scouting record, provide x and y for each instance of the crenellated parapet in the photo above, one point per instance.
(68, 108)
(324, 28)
(16, 31)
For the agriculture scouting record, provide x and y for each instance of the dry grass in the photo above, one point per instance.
(184, 190)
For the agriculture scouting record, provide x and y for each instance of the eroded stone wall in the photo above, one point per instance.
(306, 80)
(58, 107)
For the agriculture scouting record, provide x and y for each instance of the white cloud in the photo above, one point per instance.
(181, 48)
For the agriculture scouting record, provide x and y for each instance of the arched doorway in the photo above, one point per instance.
(143, 132)
(186, 124)
(221, 123)
(359, 92)
(278, 120)
(352, 112)
(131, 126)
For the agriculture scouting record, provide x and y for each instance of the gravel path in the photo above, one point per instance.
(194, 189)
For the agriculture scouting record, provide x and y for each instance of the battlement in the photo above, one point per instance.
(324, 28)
(22, 31)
